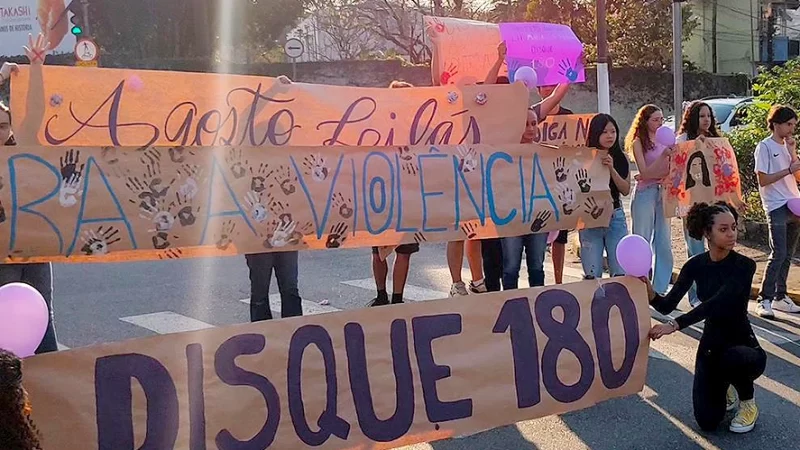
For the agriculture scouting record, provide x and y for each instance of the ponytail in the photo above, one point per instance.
(701, 217)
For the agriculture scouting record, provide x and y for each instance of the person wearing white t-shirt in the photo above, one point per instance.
(778, 169)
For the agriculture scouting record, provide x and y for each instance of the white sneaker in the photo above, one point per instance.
(695, 303)
(458, 289)
(786, 305)
(478, 288)
(764, 309)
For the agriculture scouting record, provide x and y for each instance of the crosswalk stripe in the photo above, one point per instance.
(309, 308)
(166, 322)
(62, 346)
(410, 292)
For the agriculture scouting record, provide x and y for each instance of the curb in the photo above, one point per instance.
(754, 289)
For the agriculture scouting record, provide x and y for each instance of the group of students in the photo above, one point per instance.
(717, 280)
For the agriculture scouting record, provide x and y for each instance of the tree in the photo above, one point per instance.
(639, 32)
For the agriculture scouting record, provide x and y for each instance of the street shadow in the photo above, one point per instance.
(618, 423)
(503, 438)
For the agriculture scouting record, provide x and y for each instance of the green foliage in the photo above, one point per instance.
(639, 32)
(779, 85)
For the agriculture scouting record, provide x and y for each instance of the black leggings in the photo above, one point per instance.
(492, 256)
(738, 366)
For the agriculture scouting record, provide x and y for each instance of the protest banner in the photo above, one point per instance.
(368, 378)
(464, 50)
(66, 106)
(110, 204)
(568, 129)
(553, 50)
(702, 173)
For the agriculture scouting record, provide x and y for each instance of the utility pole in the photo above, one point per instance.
(603, 87)
(85, 5)
(714, 37)
(677, 58)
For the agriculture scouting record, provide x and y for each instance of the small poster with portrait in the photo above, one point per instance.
(701, 171)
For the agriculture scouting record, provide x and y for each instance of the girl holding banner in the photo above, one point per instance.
(729, 358)
(604, 136)
(647, 207)
(38, 275)
(698, 123)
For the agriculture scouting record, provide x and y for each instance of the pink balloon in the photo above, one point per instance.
(23, 319)
(552, 237)
(635, 255)
(794, 206)
(665, 136)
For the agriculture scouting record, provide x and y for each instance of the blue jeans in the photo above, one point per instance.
(595, 240)
(261, 266)
(649, 222)
(693, 248)
(534, 245)
(783, 237)
(40, 276)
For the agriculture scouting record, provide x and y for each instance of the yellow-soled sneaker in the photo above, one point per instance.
(732, 399)
(746, 417)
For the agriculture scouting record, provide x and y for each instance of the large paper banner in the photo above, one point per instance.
(464, 49)
(570, 129)
(143, 203)
(369, 378)
(551, 49)
(91, 107)
(702, 173)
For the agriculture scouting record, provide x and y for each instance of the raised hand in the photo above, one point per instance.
(36, 51)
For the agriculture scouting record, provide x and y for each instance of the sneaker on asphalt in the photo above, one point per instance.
(732, 399)
(786, 305)
(458, 289)
(377, 301)
(764, 309)
(746, 417)
(477, 288)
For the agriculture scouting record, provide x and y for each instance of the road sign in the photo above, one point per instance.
(86, 63)
(294, 48)
(86, 50)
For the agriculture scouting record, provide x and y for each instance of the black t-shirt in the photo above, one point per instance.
(723, 288)
(622, 166)
(537, 108)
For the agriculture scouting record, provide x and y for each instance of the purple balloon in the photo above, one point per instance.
(665, 136)
(23, 319)
(635, 255)
(794, 206)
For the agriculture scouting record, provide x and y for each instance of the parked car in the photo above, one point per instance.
(727, 110)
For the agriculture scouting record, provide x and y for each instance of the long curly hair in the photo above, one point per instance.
(690, 125)
(17, 430)
(639, 130)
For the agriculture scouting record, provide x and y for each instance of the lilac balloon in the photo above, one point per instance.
(794, 206)
(635, 255)
(528, 77)
(665, 136)
(23, 319)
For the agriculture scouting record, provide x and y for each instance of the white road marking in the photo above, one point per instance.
(166, 322)
(410, 292)
(62, 346)
(309, 308)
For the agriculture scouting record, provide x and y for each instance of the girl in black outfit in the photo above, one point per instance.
(729, 357)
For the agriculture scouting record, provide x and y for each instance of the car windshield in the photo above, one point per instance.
(721, 111)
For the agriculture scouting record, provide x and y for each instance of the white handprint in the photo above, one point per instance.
(161, 218)
(70, 190)
(257, 209)
(467, 161)
(283, 234)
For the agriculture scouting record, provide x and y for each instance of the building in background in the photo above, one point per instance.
(733, 36)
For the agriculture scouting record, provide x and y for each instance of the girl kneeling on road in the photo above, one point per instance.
(729, 358)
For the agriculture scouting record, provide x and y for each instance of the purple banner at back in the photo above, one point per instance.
(551, 49)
